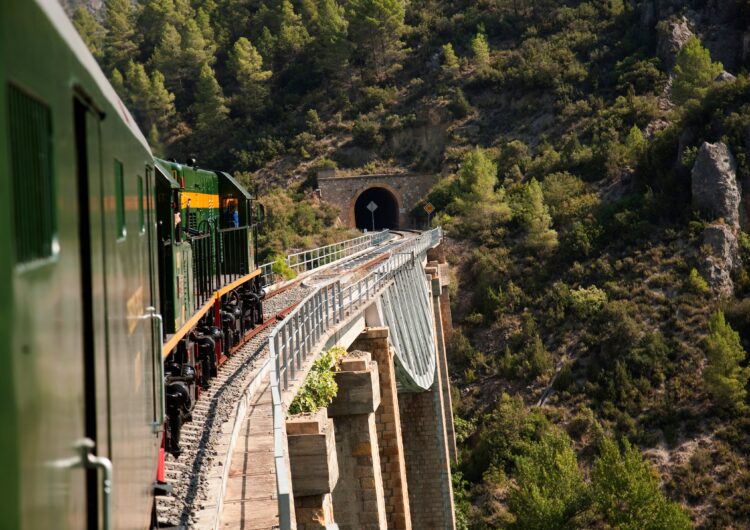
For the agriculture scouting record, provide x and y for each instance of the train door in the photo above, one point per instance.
(87, 123)
(155, 337)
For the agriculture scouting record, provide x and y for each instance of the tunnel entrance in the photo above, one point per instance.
(386, 215)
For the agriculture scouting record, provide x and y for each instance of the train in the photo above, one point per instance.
(126, 281)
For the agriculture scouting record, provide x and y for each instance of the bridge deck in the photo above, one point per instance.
(250, 498)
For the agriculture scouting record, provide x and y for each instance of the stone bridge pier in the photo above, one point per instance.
(380, 456)
(395, 194)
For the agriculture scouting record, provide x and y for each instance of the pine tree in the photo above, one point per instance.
(481, 49)
(332, 48)
(196, 50)
(450, 61)
(375, 27)
(153, 19)
(246, 64)
(626, 492)
(138, 90)
(694, 72)
(167, 58)
(482, 206)
(90, 31)
(121, 40)
(209, 109)
(724, 375)
(293, 35)
(118, 83)
(549, 485)
(536, 217)
(161, 109)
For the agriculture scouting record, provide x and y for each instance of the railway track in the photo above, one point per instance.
(196, 473)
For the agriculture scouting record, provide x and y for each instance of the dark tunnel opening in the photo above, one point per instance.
(386, 214)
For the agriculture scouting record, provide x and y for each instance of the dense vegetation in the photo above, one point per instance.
(601, 382)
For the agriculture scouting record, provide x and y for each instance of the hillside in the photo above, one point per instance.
(593, 157)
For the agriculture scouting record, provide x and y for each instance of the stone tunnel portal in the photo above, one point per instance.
(386, 215)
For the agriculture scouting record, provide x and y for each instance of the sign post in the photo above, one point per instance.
(429, 208)
(372, 207)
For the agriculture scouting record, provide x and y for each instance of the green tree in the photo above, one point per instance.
(724, 375)
(694, 72)
(481, 49)
(635, 143)
(626, 492)
(118, 83)
(332, 48)
(167, 58)
(90, 31)
(246, 64)
(210, 106)
(375, 27)
(536, 218)
(293, 36)
(138, 91)
(549, 490)
(450, 61)
(150, 101)
(210, 115)
(152, 21)
(121, 40)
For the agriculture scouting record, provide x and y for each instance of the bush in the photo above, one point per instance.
(459, 106)
(366, 133)
(587, 302)
(696, 283)
(320, 385)
(280, 268)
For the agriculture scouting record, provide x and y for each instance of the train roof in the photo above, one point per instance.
(163, 167)
(59, 20)
(236, 184)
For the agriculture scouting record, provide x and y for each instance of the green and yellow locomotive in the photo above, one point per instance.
(125, 280)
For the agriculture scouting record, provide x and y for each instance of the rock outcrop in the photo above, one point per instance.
(672, 36)
(717, 193)
(719, 257)
(725, 77)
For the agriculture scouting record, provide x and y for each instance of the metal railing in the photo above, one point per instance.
(308, 260)
(296, 337)
(205, 281)
(233, 253)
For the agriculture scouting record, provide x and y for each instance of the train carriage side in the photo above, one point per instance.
(80, 347)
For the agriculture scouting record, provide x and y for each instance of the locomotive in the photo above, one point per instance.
(126, 281)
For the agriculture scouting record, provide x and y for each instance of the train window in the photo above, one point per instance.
(120, 199)
(141, 216)
(32, 177)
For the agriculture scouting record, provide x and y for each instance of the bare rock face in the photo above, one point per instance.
(672, 36)
(725, 77)
(719, 257)
(714, 183)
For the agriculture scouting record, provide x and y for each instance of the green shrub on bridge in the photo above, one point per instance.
(320, 386)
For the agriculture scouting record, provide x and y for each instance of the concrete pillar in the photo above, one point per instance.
(314, 468)
(388, 425)
(442, 357)
(358, 496)
(429, 441)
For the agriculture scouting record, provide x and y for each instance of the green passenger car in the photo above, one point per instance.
(79, 349)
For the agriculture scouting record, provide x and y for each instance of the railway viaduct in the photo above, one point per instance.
(395, 194)
(379, 456)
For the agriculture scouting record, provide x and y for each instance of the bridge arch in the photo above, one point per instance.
(389, 203)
